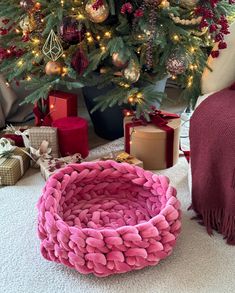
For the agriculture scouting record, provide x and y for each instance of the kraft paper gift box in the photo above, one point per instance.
(152, 144)
(39, 134)
(49, 167)
(12, 168)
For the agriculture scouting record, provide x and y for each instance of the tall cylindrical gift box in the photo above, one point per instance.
(73, 136)
(150, 144)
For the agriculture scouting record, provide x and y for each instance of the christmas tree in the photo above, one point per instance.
(131, 44)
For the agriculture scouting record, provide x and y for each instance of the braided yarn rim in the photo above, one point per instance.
(107, 217)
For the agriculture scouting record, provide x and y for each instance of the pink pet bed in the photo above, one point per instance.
(106, 218)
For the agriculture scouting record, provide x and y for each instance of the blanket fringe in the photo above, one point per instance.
(219, 220)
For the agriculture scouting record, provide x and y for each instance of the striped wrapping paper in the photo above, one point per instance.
(10, 168)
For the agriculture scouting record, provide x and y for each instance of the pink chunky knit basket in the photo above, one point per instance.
(106, 218)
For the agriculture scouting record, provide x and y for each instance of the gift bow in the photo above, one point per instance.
(42, 153)
(44, 119)
(10, 128)
(160, 119)
(6, 152)
(6, 149)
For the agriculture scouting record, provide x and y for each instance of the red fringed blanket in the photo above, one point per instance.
(212, 138)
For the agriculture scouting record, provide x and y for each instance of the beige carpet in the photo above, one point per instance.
(199, 263)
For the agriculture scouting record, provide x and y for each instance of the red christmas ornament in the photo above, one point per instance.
(79, 61)
(71, 31)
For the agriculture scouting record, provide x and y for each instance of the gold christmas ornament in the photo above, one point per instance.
(132, 73)
(53, 68)
(117, 61)
(97, 15)
(52, 47)
(27, 24)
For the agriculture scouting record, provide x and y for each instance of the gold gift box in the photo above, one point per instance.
(10, 168)
(122, 157)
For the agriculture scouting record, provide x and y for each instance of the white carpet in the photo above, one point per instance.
(199, 263)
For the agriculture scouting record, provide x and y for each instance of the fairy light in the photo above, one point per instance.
(98, 38)
(174, 77)
(28, 78)
(36, 41)
(20, 63)
(90, 39)
(80, 16)
(64, 71)
(191, 67)
(192, 50)
(7, 84)
(190, 81)
(108, 35)
(103, 48)
(176, 38)
(17, 30)
(64, 55)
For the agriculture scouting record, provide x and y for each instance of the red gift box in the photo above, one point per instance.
(62, 105)
(73, 136)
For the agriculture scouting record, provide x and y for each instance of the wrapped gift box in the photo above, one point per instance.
(122, 157)
(51, 166)
(62, 104)
(19, 135)
(73, 136)
(151, 144)
(12, 168)
(38, 134)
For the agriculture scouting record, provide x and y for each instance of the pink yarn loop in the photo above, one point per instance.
(106, 218)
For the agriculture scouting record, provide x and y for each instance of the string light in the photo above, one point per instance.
(108, 35)
(28, 78)
(103, 48)
(90, 39)
(176, 38)
(20, 63)
(192, 50)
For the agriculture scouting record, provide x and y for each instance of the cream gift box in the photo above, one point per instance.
(150, 144)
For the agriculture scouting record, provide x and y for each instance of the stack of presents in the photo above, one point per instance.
(59, 138)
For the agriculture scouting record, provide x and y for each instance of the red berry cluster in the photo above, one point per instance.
(10, 52)
(218, 26)
(6, 53)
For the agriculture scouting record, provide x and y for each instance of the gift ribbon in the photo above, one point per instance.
(6, 152)
(10, 128)
(44, 119)
(160, 119)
